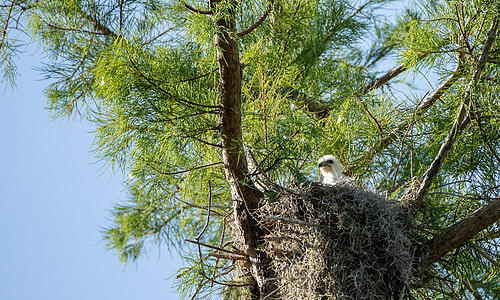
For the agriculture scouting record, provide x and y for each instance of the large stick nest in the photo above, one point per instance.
(337, 242)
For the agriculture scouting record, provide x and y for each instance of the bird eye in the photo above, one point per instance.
(330, 161)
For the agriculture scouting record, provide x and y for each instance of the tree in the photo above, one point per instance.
(200, 103)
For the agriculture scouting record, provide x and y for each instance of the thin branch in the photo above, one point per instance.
(207, 143)
(475, 115)
(6, 27)
(375, 84)
(74, 29)
(198, 11)
(452, 295)
(451, 183)
(230, 257)
(256, 24)
(432, 98)
(198, 77)
(476, 295)
(204, 207)
(216, 248)
(200, 131)
(185, 171)
(425, 105)
(488, 257)
(208, 214)
(410, 128)
(373, 118)
(159, 35)
(150, 81)
(433, 169)
(221, 242)
(207, 222)
(98, 25)
(170, 120)
(273, 293)
(121, 16)
(359, 10)
(418, 113)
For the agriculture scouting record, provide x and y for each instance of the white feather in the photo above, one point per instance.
(331, 169)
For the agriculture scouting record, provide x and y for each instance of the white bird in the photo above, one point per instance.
(331, 169)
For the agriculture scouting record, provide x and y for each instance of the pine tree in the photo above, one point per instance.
(199, 103)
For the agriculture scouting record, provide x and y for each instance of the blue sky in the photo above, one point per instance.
(54, 195)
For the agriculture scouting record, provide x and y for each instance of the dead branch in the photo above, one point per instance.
(229, 257)
(208, 214)
(216, 248)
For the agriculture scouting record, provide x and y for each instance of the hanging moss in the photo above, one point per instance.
(338, 242)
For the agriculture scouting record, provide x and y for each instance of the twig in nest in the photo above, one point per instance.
(290, 220)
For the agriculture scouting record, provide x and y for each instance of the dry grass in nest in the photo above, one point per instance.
(338, 242)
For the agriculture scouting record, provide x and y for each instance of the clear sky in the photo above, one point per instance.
(54, 195)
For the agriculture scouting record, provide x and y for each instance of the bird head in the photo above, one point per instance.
(330, 168)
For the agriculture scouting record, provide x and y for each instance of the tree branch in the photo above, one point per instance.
(460, 233)
(400, 128)
(476, 295)
(215, 247)
(98, 25)
(256, 24)
(198, 77)
(229, 257)
(185, 171)
(432, 98)
(488, 257)
(175, 98)
(198, 11)
(433, 169)
(375, 84)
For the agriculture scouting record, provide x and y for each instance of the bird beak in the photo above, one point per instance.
(323, 164)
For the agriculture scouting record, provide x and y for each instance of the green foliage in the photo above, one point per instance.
(146, 73)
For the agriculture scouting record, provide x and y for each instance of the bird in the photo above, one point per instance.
(331, 169)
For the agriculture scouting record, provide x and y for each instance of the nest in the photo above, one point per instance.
(338, 242)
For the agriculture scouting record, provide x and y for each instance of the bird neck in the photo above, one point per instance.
(332, 176)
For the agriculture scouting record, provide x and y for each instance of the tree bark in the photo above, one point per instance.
(246, 196)
(460, 233)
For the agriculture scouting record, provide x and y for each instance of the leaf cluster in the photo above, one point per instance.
(146, 73)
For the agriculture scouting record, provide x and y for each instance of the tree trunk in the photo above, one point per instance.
(246, 196)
